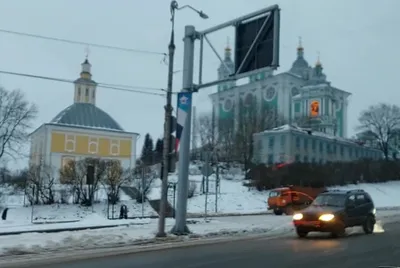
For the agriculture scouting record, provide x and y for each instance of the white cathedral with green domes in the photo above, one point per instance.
(301, 92)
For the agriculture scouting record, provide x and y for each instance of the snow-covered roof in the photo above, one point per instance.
(306, 131)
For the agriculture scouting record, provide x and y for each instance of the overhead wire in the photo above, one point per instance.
(132, 50)
(101, 85)
(134, 89)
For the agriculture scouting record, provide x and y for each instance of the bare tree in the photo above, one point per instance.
(40, 185)
(75, 174)
(382, 122)
(116, 177)
(143, 181)
(16, 117)
(226, 144)
(206, 130)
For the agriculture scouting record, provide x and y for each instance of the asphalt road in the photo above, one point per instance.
(354, 250)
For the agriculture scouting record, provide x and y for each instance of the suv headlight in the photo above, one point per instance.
(297, 216)
(326, 217)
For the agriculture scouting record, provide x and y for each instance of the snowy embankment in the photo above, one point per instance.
(385, 195)
(233, 198)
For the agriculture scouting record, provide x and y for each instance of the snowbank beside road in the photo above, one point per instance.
(144, 234)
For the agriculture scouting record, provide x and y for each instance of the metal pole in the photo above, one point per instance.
(33, 203)
(143, 181)
(206, 164)
(174, 198)
(216, 183)
(239, 20)
(167, 132)
(180, 227)
(26, 184)
(206, 200)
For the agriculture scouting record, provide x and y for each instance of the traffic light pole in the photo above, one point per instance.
(167, 133)
(180, 227)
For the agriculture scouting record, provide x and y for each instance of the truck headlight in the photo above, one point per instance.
(326, 217)
(297, 216)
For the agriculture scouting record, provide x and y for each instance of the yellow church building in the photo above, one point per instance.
(82, 130)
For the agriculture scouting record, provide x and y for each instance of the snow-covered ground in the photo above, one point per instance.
(32, 242)
(383, 194)
(20, 218)
(232, 198)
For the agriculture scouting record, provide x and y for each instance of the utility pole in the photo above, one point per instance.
(180, 227)
(167, 128)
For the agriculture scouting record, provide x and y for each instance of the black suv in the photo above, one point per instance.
(333, 211)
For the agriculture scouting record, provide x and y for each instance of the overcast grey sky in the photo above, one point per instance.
(359, 42)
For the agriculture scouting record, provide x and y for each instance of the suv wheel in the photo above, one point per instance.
(368, 225)
(301, 233)
(278, 212)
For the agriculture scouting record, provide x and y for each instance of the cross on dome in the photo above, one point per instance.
(318, 63)
(87, 52)
(300, 46)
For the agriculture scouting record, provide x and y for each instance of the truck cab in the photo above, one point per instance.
(288, 199)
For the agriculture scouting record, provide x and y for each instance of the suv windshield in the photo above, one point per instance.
(330, 200)
(274, 193)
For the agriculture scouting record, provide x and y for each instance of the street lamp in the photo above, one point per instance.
(202, 15)
(168, 115)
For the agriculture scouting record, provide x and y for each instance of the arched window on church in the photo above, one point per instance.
(87, 95)
(79, 91)
(93, 146)
(114, 147)
(69, 143)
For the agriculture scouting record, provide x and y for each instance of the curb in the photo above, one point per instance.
(202, 215)
(57, 230)
(211, 215)
(388, 208)
(79, 255)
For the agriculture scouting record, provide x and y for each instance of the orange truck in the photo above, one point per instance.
(291, 198)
